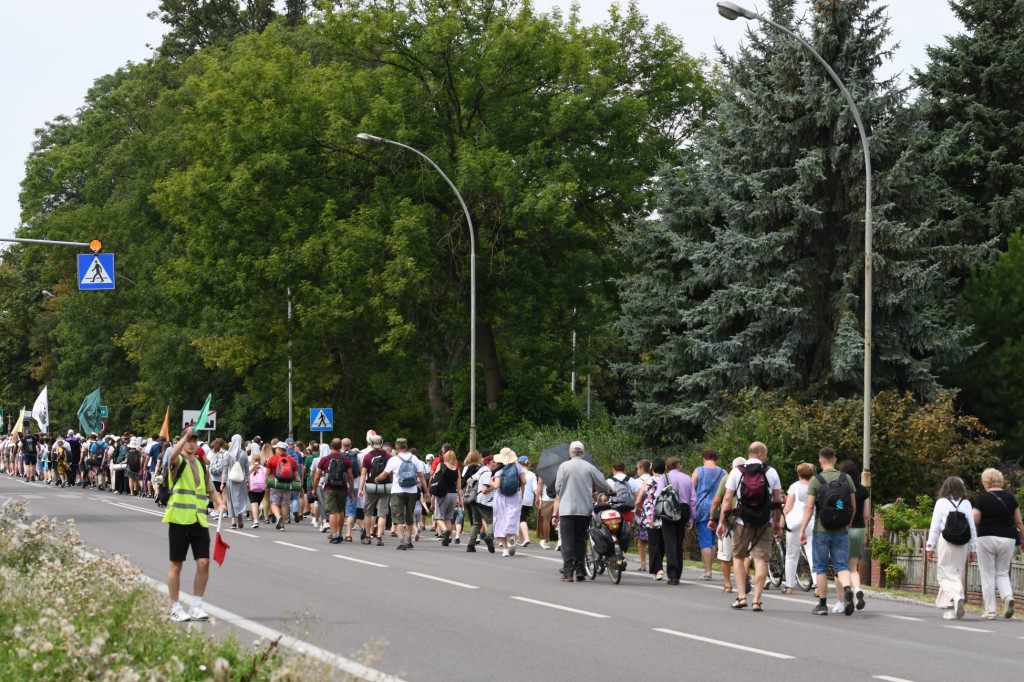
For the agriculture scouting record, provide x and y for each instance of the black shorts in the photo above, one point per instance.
(255, 497)
(30, 460)
(524, 514)
(182, 537)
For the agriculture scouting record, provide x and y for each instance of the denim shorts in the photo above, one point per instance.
(350, 507)
(834, 544)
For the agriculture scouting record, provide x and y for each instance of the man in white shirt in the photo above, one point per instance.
(758, 520)
(404, 493)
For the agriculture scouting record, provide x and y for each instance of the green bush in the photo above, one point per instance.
(914, 445)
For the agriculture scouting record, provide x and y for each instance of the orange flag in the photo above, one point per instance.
(165, 430)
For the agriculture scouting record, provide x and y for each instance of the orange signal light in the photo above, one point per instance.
(95, 245)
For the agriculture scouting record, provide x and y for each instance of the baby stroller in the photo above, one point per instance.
(609, 534)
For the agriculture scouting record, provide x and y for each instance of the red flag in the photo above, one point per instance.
(220, 548)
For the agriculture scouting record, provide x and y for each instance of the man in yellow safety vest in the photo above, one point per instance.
(189, 480)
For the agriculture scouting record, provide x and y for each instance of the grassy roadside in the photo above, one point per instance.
(72, 618)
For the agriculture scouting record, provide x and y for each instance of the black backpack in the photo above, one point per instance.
(377, 466)
(134, 461)
(336, 477)
(834, 502)
(957, 530)
(755, 498)
(437, 482)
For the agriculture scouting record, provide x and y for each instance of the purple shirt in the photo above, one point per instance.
(683, 485)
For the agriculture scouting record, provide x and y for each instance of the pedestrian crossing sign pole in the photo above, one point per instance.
(321, 419)
(95, 271)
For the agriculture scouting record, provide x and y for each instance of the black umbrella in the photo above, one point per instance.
(551, 459)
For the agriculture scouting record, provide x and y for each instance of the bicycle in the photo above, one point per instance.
(777, 565)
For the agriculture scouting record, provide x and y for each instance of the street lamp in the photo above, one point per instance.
(732, 11)
(364, 138)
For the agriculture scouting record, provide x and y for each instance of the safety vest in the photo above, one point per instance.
(187, 503)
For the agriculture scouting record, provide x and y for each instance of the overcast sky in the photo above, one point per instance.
(53, 51)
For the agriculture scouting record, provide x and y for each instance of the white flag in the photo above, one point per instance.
(41, 411)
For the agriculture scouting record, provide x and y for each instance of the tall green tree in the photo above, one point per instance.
(760, 236)
(972, 98)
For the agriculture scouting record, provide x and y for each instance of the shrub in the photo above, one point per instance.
(914, 445)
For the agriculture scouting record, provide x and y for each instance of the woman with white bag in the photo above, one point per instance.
(236, 481)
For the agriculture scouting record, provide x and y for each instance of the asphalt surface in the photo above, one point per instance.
(440, 613)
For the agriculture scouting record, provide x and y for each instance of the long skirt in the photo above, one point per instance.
(506, 514)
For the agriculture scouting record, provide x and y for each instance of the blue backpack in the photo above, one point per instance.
(509, 480)
(407, 472)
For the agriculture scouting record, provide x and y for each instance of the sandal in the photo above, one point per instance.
(348, 538)
(706, 576)
(788, 590)
(757, 608)
(740, 603)
(727, 589)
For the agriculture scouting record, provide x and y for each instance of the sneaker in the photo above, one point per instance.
(839, 607)
(958, 606)
(470, 548)
(581, 577)
(489, 541)
(526, 543)
(504, 552)
(457, 541)
(989, 616)
(558, 547)
(324, 527)
(296, 517)
(197, 613)
(820, 610)
(255, 524)
(848, 599)
(401, 547)
(408, 545)
(1008, 607)
(512, 548)
(566, 576)
(335, 540)
(544, 544)
(380, 542)
(949, 614)
(860, 600)
(178, 614)
(446, 538)
(280, 525)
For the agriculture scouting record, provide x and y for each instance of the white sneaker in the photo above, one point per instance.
(1008, 606)
(839, 607)
(512, 548)
(178, 614)
(324, 527)
(197, 613)
(958, 606)
(313, 521)
(255, 524)
(949, 614)
(544, 544)
(504, 552)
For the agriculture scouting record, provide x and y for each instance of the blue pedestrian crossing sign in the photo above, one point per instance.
(95, 271)
(321, 419)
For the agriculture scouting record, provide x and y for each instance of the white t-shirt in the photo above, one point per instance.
(733, 483)
(529, 495)
(392, 468)
(798, 491)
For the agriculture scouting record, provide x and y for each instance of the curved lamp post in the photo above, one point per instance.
(364, 138)
(732, 11)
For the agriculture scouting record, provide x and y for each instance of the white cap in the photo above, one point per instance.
(576, 446)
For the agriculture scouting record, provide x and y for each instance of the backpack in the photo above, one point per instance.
(667, 506)
(134, 461)
(623, 498)
(509, 480)
(833, 502)
(407, 472)
(258, 480)
(957, 530)
(284, 473)
(217, 463)
(755, 498)
(377, 466)
(437, 482)
(336, 477)
(472, 489)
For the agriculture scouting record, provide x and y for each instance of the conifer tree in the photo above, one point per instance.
(756, 259)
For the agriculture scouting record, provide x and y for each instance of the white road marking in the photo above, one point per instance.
(730, 645)
(360, 561)
(967, 629)
(893, 615)
(536, 556)
(288, 544)
(134, 508)
(443, 580)
(560, 607)
(890, 679)
(238, 532)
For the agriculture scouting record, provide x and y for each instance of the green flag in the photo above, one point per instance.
(204, 415)
(89, 413)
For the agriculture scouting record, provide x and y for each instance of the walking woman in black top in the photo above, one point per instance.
(997, 518)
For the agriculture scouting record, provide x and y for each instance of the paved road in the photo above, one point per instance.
(444, 614)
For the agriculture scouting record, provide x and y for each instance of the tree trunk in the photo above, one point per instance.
(489, 358)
